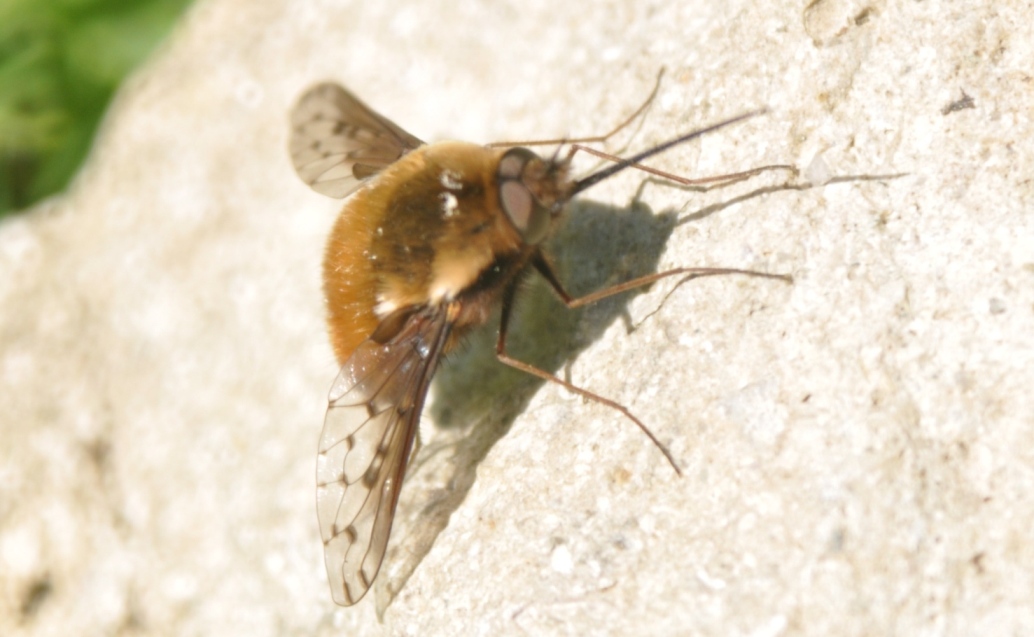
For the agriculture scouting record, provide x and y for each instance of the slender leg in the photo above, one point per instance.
(578, 144)
(718, 180)
(594, 139)
(546, 270)
(500, 352)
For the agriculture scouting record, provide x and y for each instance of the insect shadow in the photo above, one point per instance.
(599, 246)
(476, 399)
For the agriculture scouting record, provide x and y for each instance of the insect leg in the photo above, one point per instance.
(546, 270)
(595, 138)
(500, 352)
(716, 181)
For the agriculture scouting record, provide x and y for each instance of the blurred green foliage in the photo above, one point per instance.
(60, 63)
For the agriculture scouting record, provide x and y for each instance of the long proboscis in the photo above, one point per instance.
(628, 162)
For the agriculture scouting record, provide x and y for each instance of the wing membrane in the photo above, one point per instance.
(337, 141)
(372, 418)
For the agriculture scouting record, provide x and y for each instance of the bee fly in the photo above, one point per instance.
(432, 238)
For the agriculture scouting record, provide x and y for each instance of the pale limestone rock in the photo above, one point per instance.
(857, 447)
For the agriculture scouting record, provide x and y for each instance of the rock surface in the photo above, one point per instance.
(858, 447)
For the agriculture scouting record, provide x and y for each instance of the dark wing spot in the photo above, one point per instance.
(370, 477)
(34, 597)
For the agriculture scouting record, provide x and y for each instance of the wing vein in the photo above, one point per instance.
(337, 141)
(380, 395)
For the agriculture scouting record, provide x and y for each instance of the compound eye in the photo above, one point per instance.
(513, 161)
(517, 200)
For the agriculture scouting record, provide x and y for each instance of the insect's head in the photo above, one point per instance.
(532, 191)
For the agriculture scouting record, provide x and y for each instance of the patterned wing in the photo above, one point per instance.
(373, 415)
(337, 141)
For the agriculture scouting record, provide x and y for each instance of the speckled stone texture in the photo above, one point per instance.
(858, 447)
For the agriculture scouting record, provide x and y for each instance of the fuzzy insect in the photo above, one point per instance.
(432, 238)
